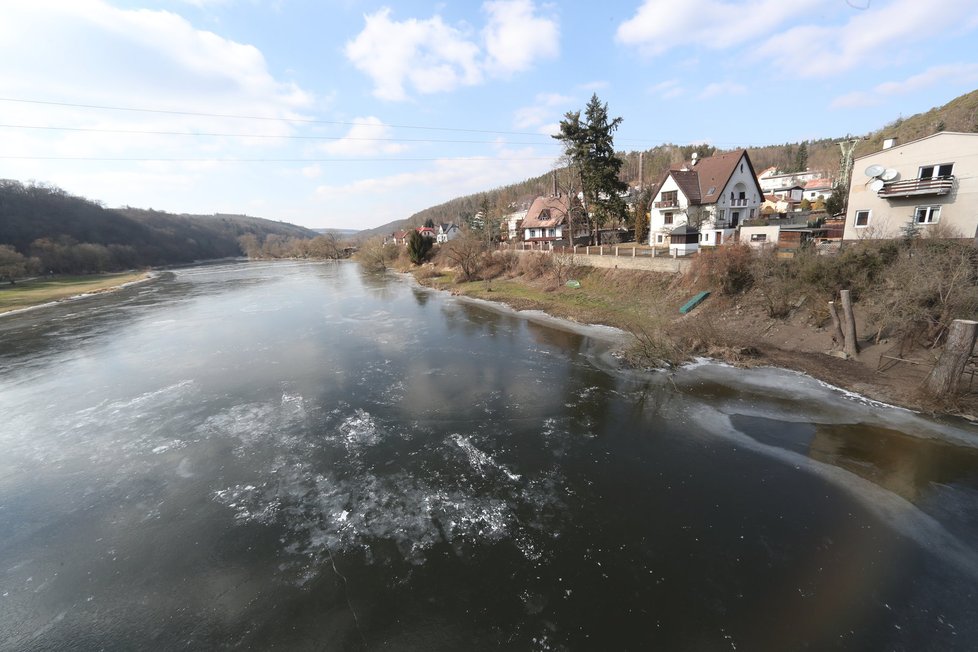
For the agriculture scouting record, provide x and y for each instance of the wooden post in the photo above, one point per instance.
(943, 379)
(849, 326)
(837, 336)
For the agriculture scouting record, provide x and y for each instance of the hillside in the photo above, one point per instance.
(960, 114)
(74, 234)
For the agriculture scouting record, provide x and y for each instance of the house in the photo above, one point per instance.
(818, 188)
(715, 194)
(770, 180)
(511, 225)
(428, 232)
(782, 238)
(546, 220)
(793, 194)
(930, 183)
(774, 205)
(400, 237)
(446, 232)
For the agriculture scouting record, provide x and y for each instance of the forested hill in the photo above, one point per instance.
(960, 114)
(73, 234)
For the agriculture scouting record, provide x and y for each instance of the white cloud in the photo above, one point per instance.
(717, 89)
(429, 56)
(965, 74)
(873, 38)
(593, 86)
(369, 136)
(443, 179)
(662, 25)
(667, 90)
(542, 109)
(516, 37)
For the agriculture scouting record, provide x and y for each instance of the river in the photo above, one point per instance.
(307, 456)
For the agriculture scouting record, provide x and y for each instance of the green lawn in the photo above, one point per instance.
(52, 288)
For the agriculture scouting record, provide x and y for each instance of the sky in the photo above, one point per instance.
(353, 113)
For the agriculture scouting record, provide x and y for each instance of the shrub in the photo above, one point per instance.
(925, 289)
(535, 265)
(726, 268)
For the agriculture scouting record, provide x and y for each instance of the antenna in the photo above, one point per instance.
(889, 174)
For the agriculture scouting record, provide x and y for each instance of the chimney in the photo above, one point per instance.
(889, 142)
(554, 191)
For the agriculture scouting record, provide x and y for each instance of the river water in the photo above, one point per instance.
(297, 456)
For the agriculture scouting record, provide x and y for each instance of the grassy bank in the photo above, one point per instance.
(25, 294)
(763, 310)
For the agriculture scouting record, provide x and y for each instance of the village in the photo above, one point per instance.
(925, 187)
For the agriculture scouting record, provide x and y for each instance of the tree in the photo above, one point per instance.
(429, 223)
(640, 215)
(801, 158)
(418, 247)
(836, 203)
(13, 265)
(589, 145)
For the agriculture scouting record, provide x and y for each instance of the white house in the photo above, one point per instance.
(547, 220)
(770, 180)
(446, 232)
(928, 182)
(715, 194)
(511, 225)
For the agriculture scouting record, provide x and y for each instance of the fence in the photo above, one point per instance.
(611, 256)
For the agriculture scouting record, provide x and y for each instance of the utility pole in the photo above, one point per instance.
(847, 145)
(641, 171)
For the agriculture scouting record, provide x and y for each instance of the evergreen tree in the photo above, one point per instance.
(589, 145)
(418, 247)
(801, 158)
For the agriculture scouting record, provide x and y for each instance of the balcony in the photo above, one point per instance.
(738, 203)
(917, 187)
(669, 203)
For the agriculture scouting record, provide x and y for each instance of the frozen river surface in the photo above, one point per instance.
(291, 456)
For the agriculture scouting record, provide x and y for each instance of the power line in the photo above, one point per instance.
(153, 132)
(547, 138)
(136, 159)
(105, 107)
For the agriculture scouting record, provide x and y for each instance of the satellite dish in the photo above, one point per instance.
(875, 170)
(889, 174)
(876, 185)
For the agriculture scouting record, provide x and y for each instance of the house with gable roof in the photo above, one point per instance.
(447, 231)
(715, 194)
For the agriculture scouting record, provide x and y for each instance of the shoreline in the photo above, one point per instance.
(147, 277)
(769, 341)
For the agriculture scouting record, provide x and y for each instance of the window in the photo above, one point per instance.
(753, 212)
(758, 237)
(862, 218)
(927, 214)
(658, 238)
(935, 171)
(551, 232)
(670, 197)
(741, 168)
(667, 218)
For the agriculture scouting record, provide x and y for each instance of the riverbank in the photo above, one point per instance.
(736, 330)
(33, 293)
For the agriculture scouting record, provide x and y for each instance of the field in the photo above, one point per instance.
(38, 291)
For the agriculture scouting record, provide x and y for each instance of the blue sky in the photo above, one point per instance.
(354, 113)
